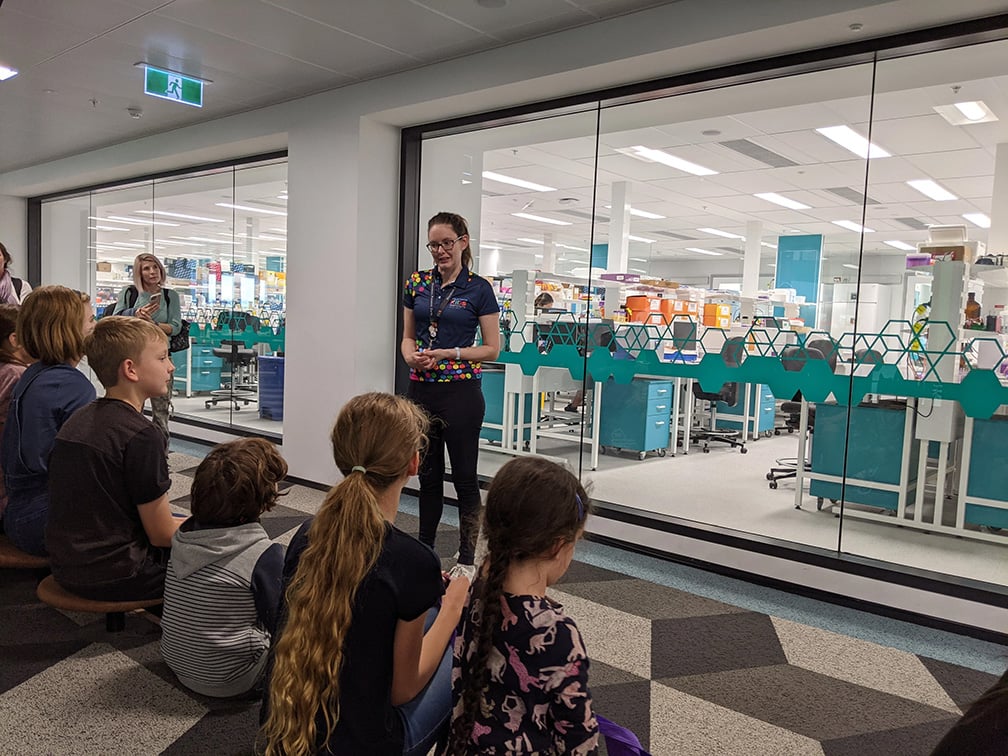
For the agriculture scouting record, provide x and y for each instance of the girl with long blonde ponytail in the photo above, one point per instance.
(361, 665)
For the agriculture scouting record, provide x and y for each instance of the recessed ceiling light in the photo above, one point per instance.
(530, 241)
(966, 113)
(900, 245)
(782, 200)
(641, 213)
(978, 219)
(711, 132)
(7, 73)
(574, 249)
(181, 215)
(541, 219)
(719, 232)
(849, 139)
(248, 209)
(107, 228)
(139, 221)
(631, 237)
(932, 189)
(703, 251)
(522, 183)
(768, 244)
(852, 226)
(852, 267)
(657, 156)
(638, 259)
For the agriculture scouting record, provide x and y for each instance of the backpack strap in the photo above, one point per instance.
(131, 296)
(17, 287)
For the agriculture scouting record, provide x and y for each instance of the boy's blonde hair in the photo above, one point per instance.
(116, 338)
(50, 324)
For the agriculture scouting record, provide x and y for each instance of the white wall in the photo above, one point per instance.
(343, 174)
(13, 232)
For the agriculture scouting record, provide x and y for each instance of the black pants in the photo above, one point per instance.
(456, 409)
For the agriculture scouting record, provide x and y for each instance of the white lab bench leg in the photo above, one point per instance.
(676, 404)
(800, 460)
(964, 462)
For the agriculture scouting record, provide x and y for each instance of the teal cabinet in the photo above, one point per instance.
(762, 408)
(492, 383)
(988, 472)
(206, 368)
(875, 452)
(635, 416)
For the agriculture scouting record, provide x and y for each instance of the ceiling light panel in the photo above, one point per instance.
(901, 245)
(631, 237)
(248, 209)
(651, 155)
(642, 213)
(852, 226)
(854, 142)
(781, 200)
(966, 113)
(978, 219)
(719, 232)
(541, 219)
(704, 251)
(500, 178)
(183, 216)
(932, 189)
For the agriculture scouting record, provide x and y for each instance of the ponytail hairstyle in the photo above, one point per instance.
(374, 439)
(460, 227)
(533, 507)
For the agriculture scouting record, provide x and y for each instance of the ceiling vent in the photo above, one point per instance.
(762, 154)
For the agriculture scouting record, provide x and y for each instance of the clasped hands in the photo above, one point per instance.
(429, 358)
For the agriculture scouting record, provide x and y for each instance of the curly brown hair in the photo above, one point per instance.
(236, 482)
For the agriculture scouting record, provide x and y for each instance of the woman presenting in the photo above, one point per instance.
(148, 299)
(441, 309)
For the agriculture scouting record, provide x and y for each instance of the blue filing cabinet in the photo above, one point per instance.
(271, 387)
(762, 407)
(988, 472)
(493, 395)
(206, 368)
(635, 415)
(874, 453)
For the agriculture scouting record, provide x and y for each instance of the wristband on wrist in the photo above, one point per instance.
(458, 353)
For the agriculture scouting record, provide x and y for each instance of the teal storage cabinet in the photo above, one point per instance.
(988, 472)
(762, 407)
(206, 368)
(493, 395)
(635, 416)
(875, 452)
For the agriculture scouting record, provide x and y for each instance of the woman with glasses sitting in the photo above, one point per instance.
(442, 308)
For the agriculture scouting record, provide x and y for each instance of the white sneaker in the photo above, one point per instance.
(463, 570)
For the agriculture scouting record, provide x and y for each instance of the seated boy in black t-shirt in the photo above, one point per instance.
(110, 524)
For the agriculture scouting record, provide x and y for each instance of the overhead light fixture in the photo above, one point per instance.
(636, 270)
(248, 209)
(657, 156)
(719, 232)
(638, 259)
(966, 113)
(573, 249)
(529, 240)
(849, 139)
(900, 245)
(541, 219)
(932, 189)
(135, 245)
(768, 244)
(107, 228)
(522, 183)
(7, 73)
(978, 219)
(778, 199)
(204, 239)
(179, 243)
(852, 267)
(852, 226)
(703, 251)
(138, 221)
(278, 230)
(183, 216)
(641, 213)
(631, 237)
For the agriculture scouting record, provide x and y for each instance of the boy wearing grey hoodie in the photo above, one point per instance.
(223, 584)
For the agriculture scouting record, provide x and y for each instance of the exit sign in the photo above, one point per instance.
(173, 86)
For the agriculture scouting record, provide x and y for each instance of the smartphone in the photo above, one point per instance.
(155, 299)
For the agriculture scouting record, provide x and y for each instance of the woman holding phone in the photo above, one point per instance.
(147, 298)
(442, 307)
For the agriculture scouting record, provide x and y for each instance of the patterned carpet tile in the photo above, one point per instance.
(646, 599)
(917, 740)
(963, 685)
(687, 646)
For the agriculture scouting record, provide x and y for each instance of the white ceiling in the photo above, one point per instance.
(75, 57)
(779, 115)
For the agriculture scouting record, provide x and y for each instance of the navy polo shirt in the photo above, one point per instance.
(469, 298)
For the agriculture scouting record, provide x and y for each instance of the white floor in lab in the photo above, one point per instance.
(729, 489)
(245, 418)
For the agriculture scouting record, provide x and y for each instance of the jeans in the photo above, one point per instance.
(456, 409)
(426, 717)
(25, 520)
(160, 408)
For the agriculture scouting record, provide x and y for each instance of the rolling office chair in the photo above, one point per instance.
(793, 359)
(731, 353)
(240, 360)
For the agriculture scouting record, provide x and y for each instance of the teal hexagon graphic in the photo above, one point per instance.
(981, 393)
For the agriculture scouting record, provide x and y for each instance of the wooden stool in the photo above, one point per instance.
(50, 592)
(11, 556)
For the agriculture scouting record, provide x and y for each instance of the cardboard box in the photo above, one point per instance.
(103, 267)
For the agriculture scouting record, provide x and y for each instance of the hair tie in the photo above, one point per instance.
(358, 468)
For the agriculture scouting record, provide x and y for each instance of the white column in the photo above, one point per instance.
(549, 254)
(750, 263)
(619, 228)
(997, 235)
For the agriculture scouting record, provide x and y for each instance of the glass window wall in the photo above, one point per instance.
(773, 307)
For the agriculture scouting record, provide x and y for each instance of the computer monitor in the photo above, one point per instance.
(684, 335)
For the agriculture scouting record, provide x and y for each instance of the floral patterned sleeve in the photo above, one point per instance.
(574, 725)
